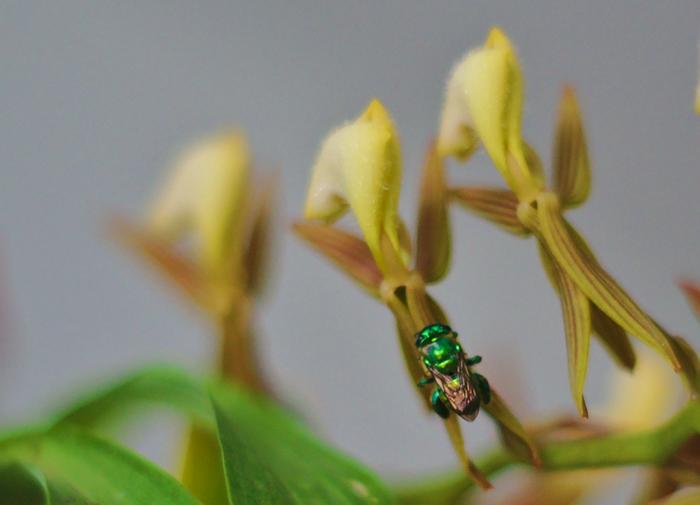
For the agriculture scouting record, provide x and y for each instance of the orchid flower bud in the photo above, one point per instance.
(483, 103)
(359, 167)
(205, 197)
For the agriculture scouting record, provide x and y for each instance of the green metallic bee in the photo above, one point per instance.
(457, 387)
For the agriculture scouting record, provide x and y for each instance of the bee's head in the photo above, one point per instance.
(431, 333)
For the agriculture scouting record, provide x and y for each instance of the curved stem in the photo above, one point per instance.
(648, 448)
(237, 356)
(450, 487)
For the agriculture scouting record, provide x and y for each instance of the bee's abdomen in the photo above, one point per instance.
(470, 409)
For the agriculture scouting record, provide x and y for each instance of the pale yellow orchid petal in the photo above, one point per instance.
(205, 197)
(170, 215)
(486, 79)
(325, 200)
(522, 170)
(484, 102)
(359, 167)
(456, 136)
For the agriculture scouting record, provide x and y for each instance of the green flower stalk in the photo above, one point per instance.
(205, 204)
(581, 458)
(359, 168)
(659, 447)
(483, 105)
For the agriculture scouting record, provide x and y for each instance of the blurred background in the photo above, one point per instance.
(97, 99)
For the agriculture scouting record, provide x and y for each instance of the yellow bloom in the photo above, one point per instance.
(359, 167)
(484, 101)
(205, 196)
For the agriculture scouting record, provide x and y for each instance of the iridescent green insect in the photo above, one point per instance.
(457, 388)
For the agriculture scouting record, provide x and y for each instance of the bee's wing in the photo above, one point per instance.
(459, 390)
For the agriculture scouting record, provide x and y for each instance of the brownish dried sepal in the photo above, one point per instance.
(433, 237)
(500, 206)
(576, 311)
(176, 268)
(577, 261)
(570, 162)
(257, 253)
(347, 251)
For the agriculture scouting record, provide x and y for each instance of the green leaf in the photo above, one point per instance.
(500, 206)
(433, 242)
(595, 282)
(202, 472)
(169, 388)
(577, 327)
(269, 458)
(162, 386)
(93, 469)
(572, 171)
(267, 434)
(21, 483)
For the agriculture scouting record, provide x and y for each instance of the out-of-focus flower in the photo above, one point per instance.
(359, 167)
(687, 496)
(209, 237)
(205, 232)
(205, 196)
(644, 398)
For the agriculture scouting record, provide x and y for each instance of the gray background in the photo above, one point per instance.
(96, 97)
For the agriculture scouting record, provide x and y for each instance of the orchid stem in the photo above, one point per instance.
(647, 448)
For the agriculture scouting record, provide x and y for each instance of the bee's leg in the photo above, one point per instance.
(439, 405)
(473, 360)
(482, 386)
(425, 381)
